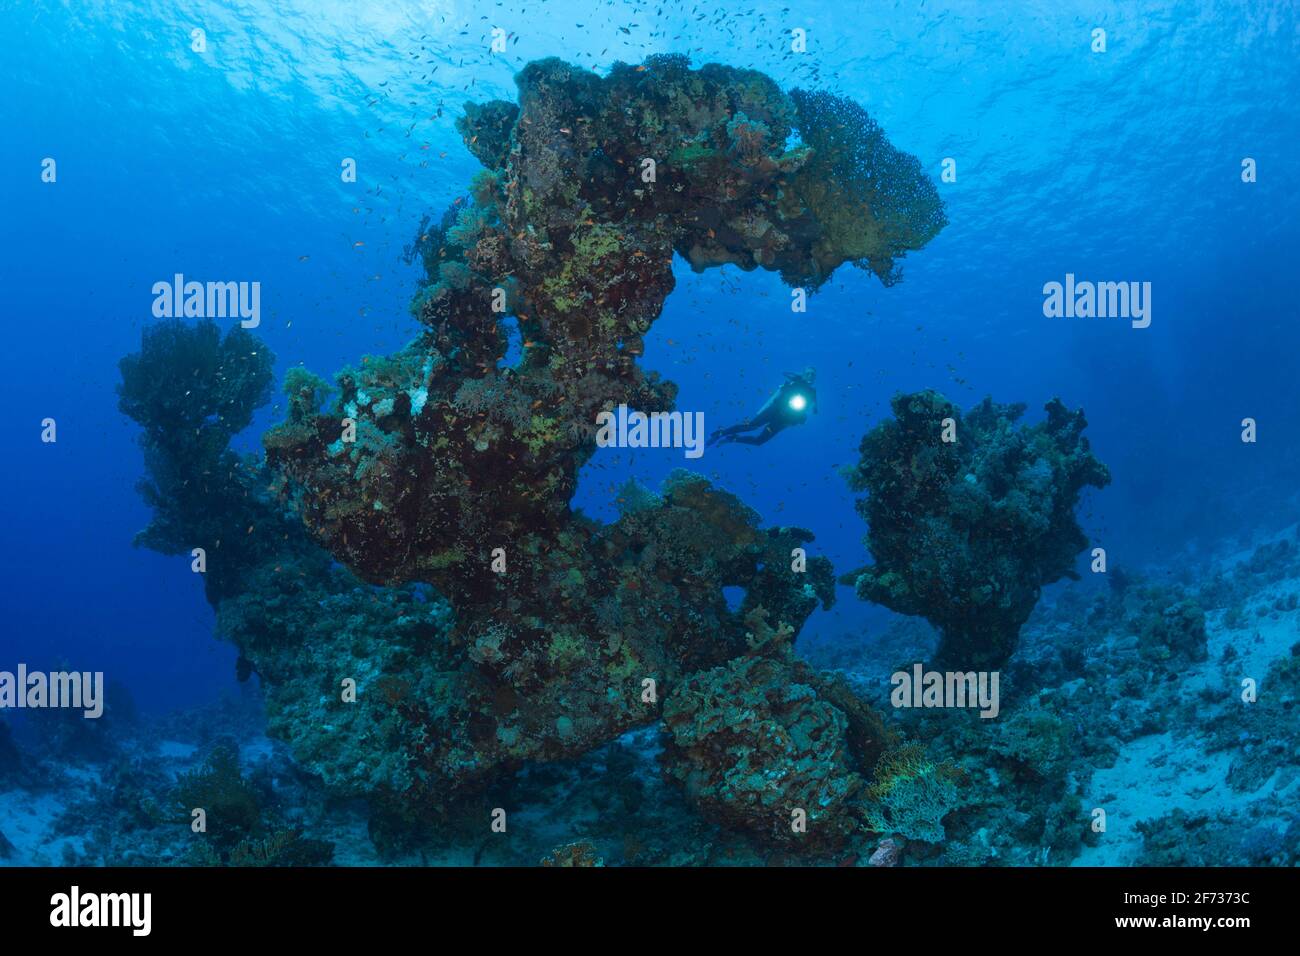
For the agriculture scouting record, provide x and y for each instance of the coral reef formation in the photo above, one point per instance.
(766, 742)
(485, 624)
(970, 516)
(191, 391)
(1171, 627)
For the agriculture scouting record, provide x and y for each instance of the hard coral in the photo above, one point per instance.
(191, 390)
(231, 805)
(966, 533)
(763, 744)
(1170, 626)
(910, 794)
(577, 232)
(870, 201)
(440, 466)
(242, 827)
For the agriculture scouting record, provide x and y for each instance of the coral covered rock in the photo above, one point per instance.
(766, 744)
(306, 632)
(190, 389)
(966, 532)
(592, 184)
(438, 461)
(886, 854)
(486, 624)
(1170, 626)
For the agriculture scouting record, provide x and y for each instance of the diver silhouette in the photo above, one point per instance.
(789, 405)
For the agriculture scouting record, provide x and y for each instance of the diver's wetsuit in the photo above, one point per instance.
(775, 415)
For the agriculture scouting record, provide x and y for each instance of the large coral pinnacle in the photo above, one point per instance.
(191, 389)
(595, 183)
(966, 532)
(439, 464)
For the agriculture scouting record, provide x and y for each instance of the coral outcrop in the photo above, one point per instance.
(191, 390)
(970, 516)
(767, 744)
(1171, 627)
(485, 622)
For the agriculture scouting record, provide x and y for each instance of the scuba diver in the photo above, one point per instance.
(789, 405)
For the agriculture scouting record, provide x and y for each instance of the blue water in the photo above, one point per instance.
(1122, 165)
